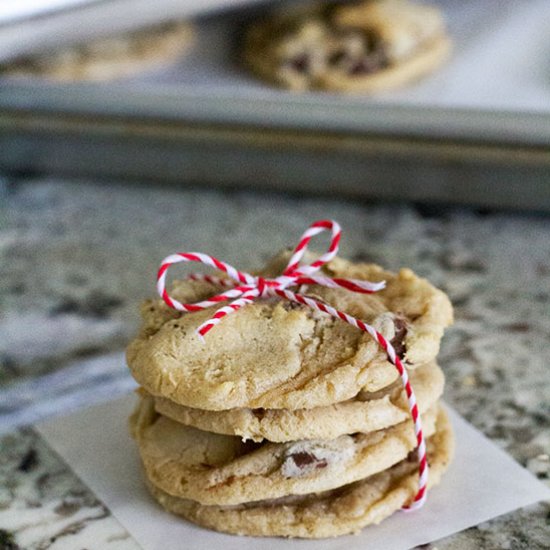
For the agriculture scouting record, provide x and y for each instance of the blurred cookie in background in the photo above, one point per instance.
(367, 46)
(111, 57)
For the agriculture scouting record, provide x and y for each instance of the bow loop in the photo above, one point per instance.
(294, 269)
(245, 280)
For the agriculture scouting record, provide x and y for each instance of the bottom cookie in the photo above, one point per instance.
(332, 513)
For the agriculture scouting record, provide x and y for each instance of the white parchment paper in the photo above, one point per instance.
(483, 482)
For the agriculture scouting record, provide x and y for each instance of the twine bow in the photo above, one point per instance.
(244, 288)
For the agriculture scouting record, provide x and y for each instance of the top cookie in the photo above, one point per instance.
(275, 354)
(360, 46)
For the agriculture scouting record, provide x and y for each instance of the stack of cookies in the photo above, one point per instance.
(286, 421)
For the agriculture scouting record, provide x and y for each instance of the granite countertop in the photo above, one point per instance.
(77, 257)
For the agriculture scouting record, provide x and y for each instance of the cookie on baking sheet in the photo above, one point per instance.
(367, 412)
(276, 354)
(111, 57)
(366, 46)
(223, 470)
(337, 512)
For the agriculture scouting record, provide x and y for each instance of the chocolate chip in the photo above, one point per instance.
(338, 57)
(300, 63)
(366, 65)
(305, 459)
(361, 67)
(398, 341)
(412, 456)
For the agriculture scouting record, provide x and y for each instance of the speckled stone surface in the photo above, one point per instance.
(77, 257)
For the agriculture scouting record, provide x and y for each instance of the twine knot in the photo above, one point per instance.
(266, 286)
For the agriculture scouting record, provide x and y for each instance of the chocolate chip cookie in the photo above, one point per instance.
(367, 46)
(109, 58)
(276, 355)
(216, 469)
(366, 412)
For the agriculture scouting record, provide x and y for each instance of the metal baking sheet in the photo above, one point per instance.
(34, 25)
(476, 131)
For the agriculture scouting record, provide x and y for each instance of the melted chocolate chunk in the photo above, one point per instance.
(305, 459)
(368, 64)
(338, 57)
(398, 341)
(363, 66)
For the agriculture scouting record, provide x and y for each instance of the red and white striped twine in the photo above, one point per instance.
(244, 288)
